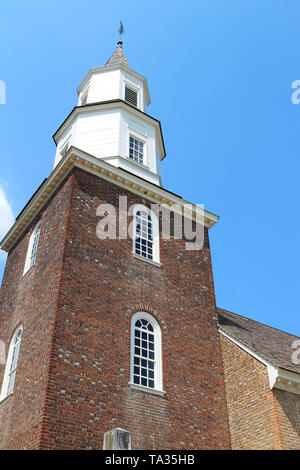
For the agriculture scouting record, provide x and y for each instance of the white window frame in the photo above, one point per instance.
(158, 382)
(142, 141)
(8, 371)
(28, 262)
(155, 234)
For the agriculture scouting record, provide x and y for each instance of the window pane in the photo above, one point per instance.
(137, 361)
(144, 365)
(136, 150)
(36, 236)
(144, 353)
(144, 235)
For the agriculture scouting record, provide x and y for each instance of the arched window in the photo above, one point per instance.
(32, 247)
(11, 363)
(145, 233)
(146, 366)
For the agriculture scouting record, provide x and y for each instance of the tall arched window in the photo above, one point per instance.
(11, 363)
(145, 233)
(146, 365)
(32, 247)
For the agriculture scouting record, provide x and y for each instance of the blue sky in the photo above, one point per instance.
(220, 75)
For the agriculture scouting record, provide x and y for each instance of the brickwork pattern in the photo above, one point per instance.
(259, 418)
(81, 295)
(31, 300)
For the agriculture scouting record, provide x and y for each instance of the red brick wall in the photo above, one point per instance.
(31, 300)
(259, 418)
(100, 287)
(287, 411)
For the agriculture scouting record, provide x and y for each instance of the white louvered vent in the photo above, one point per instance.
(131, 96)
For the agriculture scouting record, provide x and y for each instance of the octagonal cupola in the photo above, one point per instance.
(111, 122)
(116, 80)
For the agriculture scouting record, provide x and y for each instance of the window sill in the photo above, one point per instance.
(141, 165)
(2, 400)
(152, 391)
(28, 271)
(150, 261)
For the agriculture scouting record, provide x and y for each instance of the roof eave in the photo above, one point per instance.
(280, 378)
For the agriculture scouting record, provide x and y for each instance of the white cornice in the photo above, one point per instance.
(108, 68)
(91, 164)
(278, 378)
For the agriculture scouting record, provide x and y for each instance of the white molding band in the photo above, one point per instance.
(80, 159)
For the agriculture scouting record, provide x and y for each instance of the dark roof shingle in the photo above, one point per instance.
(271, 344)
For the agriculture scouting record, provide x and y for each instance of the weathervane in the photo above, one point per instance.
(121, 31)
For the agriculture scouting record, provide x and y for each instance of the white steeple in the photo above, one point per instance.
(110, 121)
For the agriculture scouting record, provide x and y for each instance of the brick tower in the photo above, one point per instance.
(117, 331)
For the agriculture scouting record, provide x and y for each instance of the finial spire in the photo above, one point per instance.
(121, 31)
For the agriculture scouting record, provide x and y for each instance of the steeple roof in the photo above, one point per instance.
(118, 57)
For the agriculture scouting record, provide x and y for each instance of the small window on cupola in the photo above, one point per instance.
(136, 150)
(131, 96)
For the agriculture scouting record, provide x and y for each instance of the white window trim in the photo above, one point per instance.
(150, 261)
(29, 250)
(158, 384)
(155, 230)
(7, 371)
